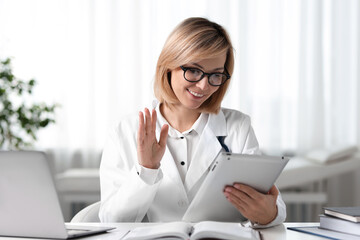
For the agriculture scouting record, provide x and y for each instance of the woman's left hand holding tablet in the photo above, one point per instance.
(255, 206)
(150, 151)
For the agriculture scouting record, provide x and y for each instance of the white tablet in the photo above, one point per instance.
(257, 171)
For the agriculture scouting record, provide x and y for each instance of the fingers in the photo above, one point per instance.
(153, 120)
(163, 135)
(273, 191)
(147, 121)
(239, 199)
(150, 151)
(141, 131)
(236, 193)
(252, 193)
(253, 205)
(147, 126)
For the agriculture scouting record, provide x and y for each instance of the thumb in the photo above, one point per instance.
(273, 191)
(163, 135)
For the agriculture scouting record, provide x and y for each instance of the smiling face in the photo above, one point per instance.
(192, 95)
(195, 40)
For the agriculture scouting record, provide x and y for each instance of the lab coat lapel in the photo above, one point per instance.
(207, 149)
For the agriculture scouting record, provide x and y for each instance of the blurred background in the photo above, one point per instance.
(297, 74)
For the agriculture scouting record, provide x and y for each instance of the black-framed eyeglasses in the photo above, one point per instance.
(214, 79)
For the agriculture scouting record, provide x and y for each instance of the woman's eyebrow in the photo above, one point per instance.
(198, 65)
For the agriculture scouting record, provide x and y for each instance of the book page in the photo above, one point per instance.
(223, 230)
(180, 230)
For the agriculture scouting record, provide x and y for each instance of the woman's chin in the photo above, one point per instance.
(193, 106)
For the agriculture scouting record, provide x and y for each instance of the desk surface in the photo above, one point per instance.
(279, 232)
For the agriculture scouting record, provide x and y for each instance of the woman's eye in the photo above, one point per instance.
(218, 76)
(195, 71)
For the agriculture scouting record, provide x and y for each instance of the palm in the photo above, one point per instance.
(150, 151)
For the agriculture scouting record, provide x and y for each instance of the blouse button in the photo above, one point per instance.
(182, 163)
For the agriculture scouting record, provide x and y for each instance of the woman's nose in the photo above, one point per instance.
(203, 83)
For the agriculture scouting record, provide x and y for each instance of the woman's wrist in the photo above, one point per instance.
(150, 165)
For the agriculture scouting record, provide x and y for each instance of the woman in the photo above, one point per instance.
(154, 163)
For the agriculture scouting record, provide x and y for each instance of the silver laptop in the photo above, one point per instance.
(29, 205)
(257, 171)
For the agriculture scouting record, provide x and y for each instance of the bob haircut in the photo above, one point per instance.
(192, 40)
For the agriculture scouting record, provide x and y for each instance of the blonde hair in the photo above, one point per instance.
(193, 39)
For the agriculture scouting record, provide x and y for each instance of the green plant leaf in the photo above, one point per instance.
(27, 119)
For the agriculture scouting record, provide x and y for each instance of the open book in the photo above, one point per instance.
(201, 230)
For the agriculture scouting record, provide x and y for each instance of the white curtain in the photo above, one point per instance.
(296, 70)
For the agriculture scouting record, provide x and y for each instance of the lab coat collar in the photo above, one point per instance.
(198, 126)
(216, 122)
(207, 150)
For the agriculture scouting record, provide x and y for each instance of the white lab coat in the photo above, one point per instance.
(125, 197)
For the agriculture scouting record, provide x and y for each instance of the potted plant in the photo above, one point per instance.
(20, 119)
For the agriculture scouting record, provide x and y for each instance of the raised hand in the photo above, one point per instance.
(255, 206)
(149, 150)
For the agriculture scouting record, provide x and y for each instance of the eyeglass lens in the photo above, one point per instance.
(193, 74)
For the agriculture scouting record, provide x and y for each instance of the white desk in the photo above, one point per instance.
(279, 232)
